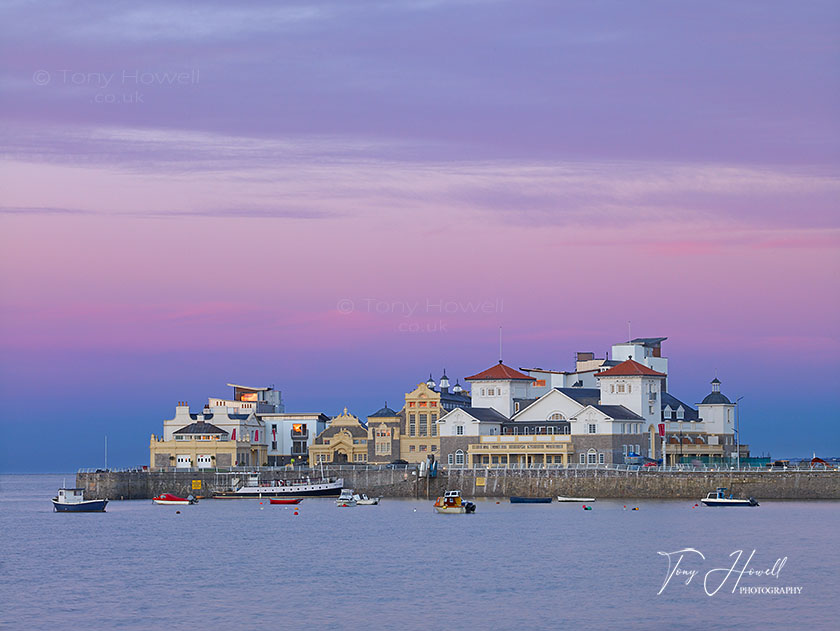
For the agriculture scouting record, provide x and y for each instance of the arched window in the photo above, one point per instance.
(459, 458)
(592, 457)
(556, 416)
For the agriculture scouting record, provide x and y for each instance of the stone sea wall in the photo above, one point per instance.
(490, 483)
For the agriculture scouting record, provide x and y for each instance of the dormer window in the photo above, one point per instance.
(680, 413)
(666, 414)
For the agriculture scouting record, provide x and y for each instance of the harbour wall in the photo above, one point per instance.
(598, 483)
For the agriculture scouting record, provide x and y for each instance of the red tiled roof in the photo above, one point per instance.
(630, 368)
(500, 372)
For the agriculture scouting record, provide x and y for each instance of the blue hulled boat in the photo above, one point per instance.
(530, 500)
(73, 501)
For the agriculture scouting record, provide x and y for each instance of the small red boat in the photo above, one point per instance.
(285, 500)
(169, 499)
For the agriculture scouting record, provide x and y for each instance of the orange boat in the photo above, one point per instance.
(285, 500)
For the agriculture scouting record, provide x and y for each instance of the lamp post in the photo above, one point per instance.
(738, 432)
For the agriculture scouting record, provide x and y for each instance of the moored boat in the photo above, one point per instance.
(285, 500)
(719, 498)
(167, 499)
(73, 501)
(346, 498)
(364, 500)
(303, 487)
(452, 503)
(564, 498)
(529, 500)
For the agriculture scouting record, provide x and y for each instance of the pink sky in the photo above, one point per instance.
(325, 173)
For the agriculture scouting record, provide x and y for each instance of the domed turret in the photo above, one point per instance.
(444, 382)
(715, 396)
(431, 382)
(457, 387)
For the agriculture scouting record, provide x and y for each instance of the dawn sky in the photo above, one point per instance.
(338, 198)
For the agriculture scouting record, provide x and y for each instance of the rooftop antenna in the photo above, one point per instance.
(500, 345)
(629, 337)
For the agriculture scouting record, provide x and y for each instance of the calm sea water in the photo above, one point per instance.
(239, 564)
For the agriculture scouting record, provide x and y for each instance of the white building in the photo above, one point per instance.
(290, 435)
(498, 386)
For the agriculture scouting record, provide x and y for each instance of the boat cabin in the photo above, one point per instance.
(452, 498)
(71, 496)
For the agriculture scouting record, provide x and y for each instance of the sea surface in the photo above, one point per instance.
(243, 564)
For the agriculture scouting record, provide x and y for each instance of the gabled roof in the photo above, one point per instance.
(484, 415)
(689, 413)
(618, 412)
(584, 396)
(200, 428)
(500, 372)
(630, 368)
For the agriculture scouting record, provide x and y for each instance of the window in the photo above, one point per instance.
(629, 388)
(433, 404)
(539, 383)
(482, 392)
(680, 413)
(459, 430)
(495, 459)
(450, 459)
(423, 404)
(412, 448)
(359, 458)
(583, 459)
(424, 447)
(601, 458)
(459, 458)
(504, 459)
(412, 425)
(411, 404)
(612, 388)
(434, 425)
(592, 428)
(274, 445)
(624, 449)
(621, 387)
(623, 428)
(424, 425)
(556, 416)
(434, 447)
(667, 413)
(516, 406)
(592, 457)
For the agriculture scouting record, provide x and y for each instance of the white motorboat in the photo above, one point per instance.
(563, 498)
(364, 500)
(347, 498)
(719, 498)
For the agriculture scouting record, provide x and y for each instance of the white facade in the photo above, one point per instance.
(459, 422)
(499, 394)
(638, 393)
(718, 418)
(641, 353)
(553, 405)
(291, 434)
(590, 418)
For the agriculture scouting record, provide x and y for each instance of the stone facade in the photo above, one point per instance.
(344, 441)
